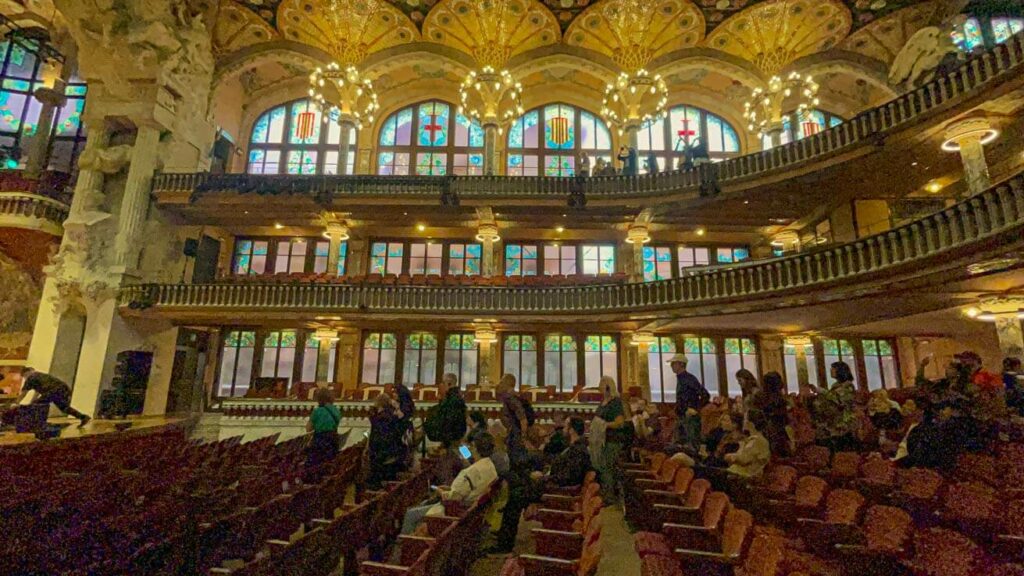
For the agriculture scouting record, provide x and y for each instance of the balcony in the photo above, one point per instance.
(39, 204)
(983, 75)
(986, 225)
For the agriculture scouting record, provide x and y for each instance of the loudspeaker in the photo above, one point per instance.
(191, 247)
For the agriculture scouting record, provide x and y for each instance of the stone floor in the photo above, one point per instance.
(618, 557)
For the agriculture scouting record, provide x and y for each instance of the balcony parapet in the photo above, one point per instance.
(32, 212)
(995, 214)
(978, 73)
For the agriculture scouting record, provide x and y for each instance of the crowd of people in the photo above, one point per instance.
(694, 154)
(725, 440)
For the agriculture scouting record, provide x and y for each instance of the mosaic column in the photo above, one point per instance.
(490, 149)
(337, 232)
(637, 235)
(344, 145)
(487, 339)
(771, 354)
(969, 138)
(135, 203)
(52, 99)
(642, 342)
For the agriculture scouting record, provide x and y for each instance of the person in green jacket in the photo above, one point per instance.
(323, 423)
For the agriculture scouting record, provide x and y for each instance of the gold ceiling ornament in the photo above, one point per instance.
(237, 27)
(634, 32)
(492, 98)
(634, 99)
(492, 31)
(343, 95)
(764, 110)
(348, 30)
(775, 33)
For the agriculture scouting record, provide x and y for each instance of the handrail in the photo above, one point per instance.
(973, 75)
(995, 211)
(32, 206)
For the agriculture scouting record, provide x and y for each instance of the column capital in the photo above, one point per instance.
(975, 129)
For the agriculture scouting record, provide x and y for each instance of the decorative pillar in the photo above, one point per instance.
(799, 344)
(346, 366)
(336, 231)
(487, 235)
(633, 137)
(1011, 338)
(490, 149)
(135, 202)
(637, 235)
(770, 347)
(356, 264)
(90, 177)
(52, 99)
(775, 135)
(641, 347)
(326, 340)
(969, 137)
(487, 338)
(343, 147)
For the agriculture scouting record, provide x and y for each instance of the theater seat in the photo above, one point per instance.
(656, 565)
(942, 552)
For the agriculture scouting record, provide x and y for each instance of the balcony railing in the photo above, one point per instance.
(995, 212)
(976, 74)
(16, 205)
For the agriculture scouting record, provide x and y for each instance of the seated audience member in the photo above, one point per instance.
(570, 466)
(754, 451)
(770, 399)
(49, 390)
(885, 414)
(557, 441)
(386, 449)
(1012, 383)
(476, 424)
(323, 423)
(723, 439)
(748, 390)
(472, 482)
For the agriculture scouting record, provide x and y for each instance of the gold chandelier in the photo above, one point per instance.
(764, 111)
(343, 93)
(635, 96)
(490, 95)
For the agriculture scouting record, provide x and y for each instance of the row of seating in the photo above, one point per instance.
(813, 525)
(547, 280)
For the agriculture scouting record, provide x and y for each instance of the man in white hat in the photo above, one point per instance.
(691, 396)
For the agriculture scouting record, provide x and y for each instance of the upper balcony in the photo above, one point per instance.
(39, 204)
(933, 251)
(756, 189)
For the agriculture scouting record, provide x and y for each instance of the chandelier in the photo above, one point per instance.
(491, 98)
(634, 99)
(764, 111)
(341, 92)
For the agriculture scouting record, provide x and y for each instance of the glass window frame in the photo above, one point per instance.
(365, 339)
(518, 369)
(407, 244)
(321, 148)
(542, 153)
(414, 149)
(669, 157)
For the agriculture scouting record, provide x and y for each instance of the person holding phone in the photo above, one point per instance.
(471, 483)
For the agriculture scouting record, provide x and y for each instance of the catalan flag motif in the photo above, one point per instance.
(305, 125)
(558, 130)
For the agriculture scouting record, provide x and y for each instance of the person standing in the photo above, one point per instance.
(834, 411)
(323, 423)
(617, 438)
(771, 401)
(386, 450)
(49, 390)
(691, 396)
(446, 424)
(583, 164)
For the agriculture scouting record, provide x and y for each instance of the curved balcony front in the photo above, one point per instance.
(934, 249)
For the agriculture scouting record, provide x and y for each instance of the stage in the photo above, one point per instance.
(96, 427)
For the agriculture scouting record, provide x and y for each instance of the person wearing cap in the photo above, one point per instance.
(691, 396)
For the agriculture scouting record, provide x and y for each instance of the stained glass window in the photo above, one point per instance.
(251, 256)
(1003, 28)
(290, 256)
(425, 258)
(296, 132)
(660, 376)
(701, 354)
(791, 360)
(461, 356)
(968, 36)
(740, 353)
(21, 74)
(464, 259)
(799, 126)
(342, 257)
(657, 263)
(880, 365)
(521, 260)
(419, 363)
(321, 252)
(311, 360)
(386, 257)
(236, 362)
(559, 259)
(380, 353)
(560, 362)
(550, 138)
(600, 358)
(519, 358)
(430, 139)
(598, 259)
(668, 139)
(279, 355)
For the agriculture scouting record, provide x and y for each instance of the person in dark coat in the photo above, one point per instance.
(386, 449)
(691, 396)
(770, 399)
(49, 390)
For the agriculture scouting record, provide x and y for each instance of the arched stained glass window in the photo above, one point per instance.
(293, 139)
(430, 139)
(668, 138)
(816, 121)
(972, 32)
(21, 74)
(546, 140)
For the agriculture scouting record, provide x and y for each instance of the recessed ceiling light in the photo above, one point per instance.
(278, 225)
(746, 201)
(559, 229)
(421, 227)
(933, 187)
(700, 231)
(913, 163)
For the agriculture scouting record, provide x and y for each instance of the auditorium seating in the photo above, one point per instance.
(376, 279)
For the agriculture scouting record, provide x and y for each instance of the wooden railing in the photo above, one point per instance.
(979, 73)
(996, 211)
(17, 204)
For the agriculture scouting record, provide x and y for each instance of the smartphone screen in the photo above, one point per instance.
(464, 451)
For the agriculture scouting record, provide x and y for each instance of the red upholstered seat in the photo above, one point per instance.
(657, 565)
(887, 529)
(512, 567)
(941, 552)
(651, 543)
(845, 466)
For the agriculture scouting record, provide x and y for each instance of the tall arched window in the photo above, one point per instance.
(427, 139)
(21, 74)
(293, 139)
(546, 140)
(669, 137)
(816, 121)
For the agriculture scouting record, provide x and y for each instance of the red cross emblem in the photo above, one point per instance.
(685, 133)
(433, 127)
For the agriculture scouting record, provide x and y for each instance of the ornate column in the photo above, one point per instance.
(347, 363)
(343, 147)
(969, 137)
(491, 149)
(633, 138)
(356, 264)
(336, 231)
(135, 202)
(487, 234)
(52, 99)
(487, 338)
(800, 344)
(641, 347)
(326, 339)
(638, 235)
(770, 347)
